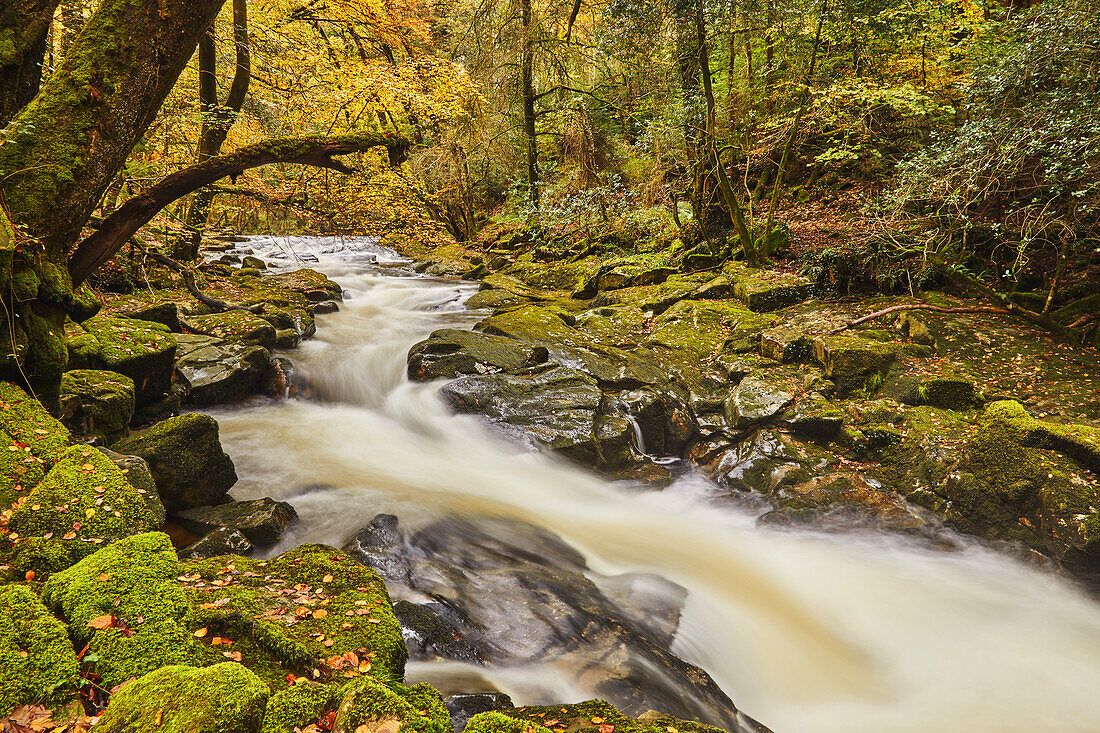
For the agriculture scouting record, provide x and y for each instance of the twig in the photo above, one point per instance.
(923, 307)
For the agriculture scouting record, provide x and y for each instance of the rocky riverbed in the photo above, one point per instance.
(137, 591)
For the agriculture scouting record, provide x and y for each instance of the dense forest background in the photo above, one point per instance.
(890, 145)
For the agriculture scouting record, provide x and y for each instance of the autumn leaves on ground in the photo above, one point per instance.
(676, 211)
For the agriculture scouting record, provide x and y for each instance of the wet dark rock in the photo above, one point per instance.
(218, 372)
(379, 546)
(255, 262)
(262, 521)
(326, 306)
(433, 631)
(757, 399)
(664, 420)
(451, 352)
(464, 707)
(222, 541)
(318, 296)
(186, 459)
(516, 593)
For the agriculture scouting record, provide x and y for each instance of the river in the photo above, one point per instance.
(805, 631)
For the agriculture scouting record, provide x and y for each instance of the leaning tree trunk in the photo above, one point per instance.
(23, 28)
(64, 148)
(216, 120)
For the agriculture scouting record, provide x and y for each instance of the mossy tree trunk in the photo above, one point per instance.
(24, 25)
(62, 150)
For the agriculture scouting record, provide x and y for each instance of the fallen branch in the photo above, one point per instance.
(922, 307)
(189, 282)
(115, 230)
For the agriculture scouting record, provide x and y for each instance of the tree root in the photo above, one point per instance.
(919, 306)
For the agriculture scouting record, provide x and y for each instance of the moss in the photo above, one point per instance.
(306, 609)
(27, 421)
(142, 350)
(186, 458)
(19, 470)
(133, 583)
(299, 705)
(97, 403)
(306, 280)
(83, 502)
(699, 329)
(418, 709)
(767, 290)
(585, 717)
(36, 656)
(236, 326)
(854, 363)
(224, 698)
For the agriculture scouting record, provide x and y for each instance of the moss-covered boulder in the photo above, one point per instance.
(25, 419)
(126, 604)
(312, 612)
(306, 281)
(36, 655)
(417, 709)
(235, 326)
(96, 403)
(224, 698)
(1028, 480)
(186, 458)
(594, 716)
(299, 706)
(164, 312)
(83, 503)
(854, 363)
(144, 351)
(760, 397)
(768, 290)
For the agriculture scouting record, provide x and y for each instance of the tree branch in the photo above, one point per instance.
(189, 282)
(116, 229)
(921, 307)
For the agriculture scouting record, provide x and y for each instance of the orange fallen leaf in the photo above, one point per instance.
(201, 632)
(102, 622)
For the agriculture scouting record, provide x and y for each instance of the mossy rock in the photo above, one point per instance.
(1022, 479)
(36, 655)
(237, 327)
(84, 502)
(307, 610)
(306, 280)
(417, 709)
(585, 717)
(697, 329)
(97, 403)
(854, 363)
(224, 698)
(27, 421)
(186, 458)
(297, 707)
(144, 351)
(946, 391)
(125, 603)
(764, 291)
(164, 312)
(20, 471)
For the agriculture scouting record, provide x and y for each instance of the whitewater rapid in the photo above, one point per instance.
(806, 632)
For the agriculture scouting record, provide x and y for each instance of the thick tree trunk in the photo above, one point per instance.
(527, 89)
(115, 230)
(216, 120)
(23, 28)
(63, 149)
(66, 146)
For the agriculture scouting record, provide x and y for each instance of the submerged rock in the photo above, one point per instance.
(513, 593)
(186, 458)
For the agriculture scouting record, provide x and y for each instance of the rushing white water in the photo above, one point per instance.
(805, 632)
